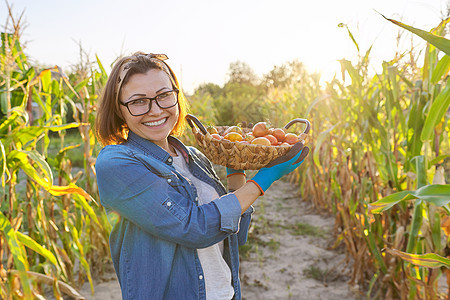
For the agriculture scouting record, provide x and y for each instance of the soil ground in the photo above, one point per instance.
(289, 254)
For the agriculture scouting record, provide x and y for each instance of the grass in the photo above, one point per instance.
(306, 229)
(315, 273)
(253, 244)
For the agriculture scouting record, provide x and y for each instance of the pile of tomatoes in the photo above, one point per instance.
(260, 134)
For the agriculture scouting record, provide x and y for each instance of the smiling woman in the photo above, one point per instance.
(151, 122)
(129, 87)
(179, 230)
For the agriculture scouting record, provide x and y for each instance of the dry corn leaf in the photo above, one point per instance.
(445, 225)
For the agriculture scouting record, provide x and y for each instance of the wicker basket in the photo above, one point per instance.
(234, 154)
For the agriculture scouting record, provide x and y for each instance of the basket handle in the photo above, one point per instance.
(191, 119)
(308, 125)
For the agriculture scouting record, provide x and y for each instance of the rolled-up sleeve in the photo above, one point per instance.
(230, 212)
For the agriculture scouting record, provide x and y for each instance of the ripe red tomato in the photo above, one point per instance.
(260, 129)
(273, 140)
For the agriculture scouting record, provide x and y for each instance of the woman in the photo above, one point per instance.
(179, 230)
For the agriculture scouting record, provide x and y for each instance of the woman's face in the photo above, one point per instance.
(157, 124)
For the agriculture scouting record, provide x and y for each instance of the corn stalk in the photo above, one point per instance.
(52, 227)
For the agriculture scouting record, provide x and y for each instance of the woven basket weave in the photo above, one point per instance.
(237, 155)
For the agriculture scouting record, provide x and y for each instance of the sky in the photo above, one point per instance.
(202, 37)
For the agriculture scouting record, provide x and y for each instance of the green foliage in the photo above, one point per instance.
(49, 223)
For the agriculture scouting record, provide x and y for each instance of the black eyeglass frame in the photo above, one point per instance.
(150, 103)
(129, 60)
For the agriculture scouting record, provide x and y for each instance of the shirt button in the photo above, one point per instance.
(200, 277)
(169, 203)
(169, 159)
(169, 180)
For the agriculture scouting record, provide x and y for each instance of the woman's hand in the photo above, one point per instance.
(249, 192)
(281, 166)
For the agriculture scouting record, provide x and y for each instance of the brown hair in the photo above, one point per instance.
(110, 128)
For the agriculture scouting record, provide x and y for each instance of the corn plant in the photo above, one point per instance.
(381, 135)
(52, 230)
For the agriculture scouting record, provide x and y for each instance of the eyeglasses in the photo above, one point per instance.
(126, 64)
(141, 106)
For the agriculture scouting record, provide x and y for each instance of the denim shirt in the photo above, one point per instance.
(154, 244)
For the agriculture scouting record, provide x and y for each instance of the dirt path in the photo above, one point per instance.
(286, 256)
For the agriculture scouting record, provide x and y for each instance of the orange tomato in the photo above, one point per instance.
(261, 141)
(279, 134)
(291, 138)
(233, 137)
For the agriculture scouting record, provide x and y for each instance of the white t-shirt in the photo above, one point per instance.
(216, 272)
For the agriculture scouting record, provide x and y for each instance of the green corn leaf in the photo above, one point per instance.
(79, 86)
(66, 80)
(79, 253)
(341, 25)
(28, 134)
(104, 75)
(373, 246)
(4, 168)
(442, 68)
(15, 115)
(46, 79)
(438, 41)
(418, 163)
(46, 182)
(320, 140)
(65, 126)
(33, 245)
(82, 201)
(438, 159)
(437, 194)
(418, 215)
(3, 103)
(429, 260)
(21, 157)
(42, 163)
(19, 257)
(438, 108)
(415, 126)
(62, 153)
(346, 65)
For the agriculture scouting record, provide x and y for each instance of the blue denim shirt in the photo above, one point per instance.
(153, 245)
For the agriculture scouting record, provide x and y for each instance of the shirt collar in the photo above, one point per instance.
(156, 151)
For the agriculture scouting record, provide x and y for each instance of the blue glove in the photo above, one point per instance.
(231, 172)
(280, 166)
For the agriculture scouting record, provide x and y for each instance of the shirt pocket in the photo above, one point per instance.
(174, 209)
